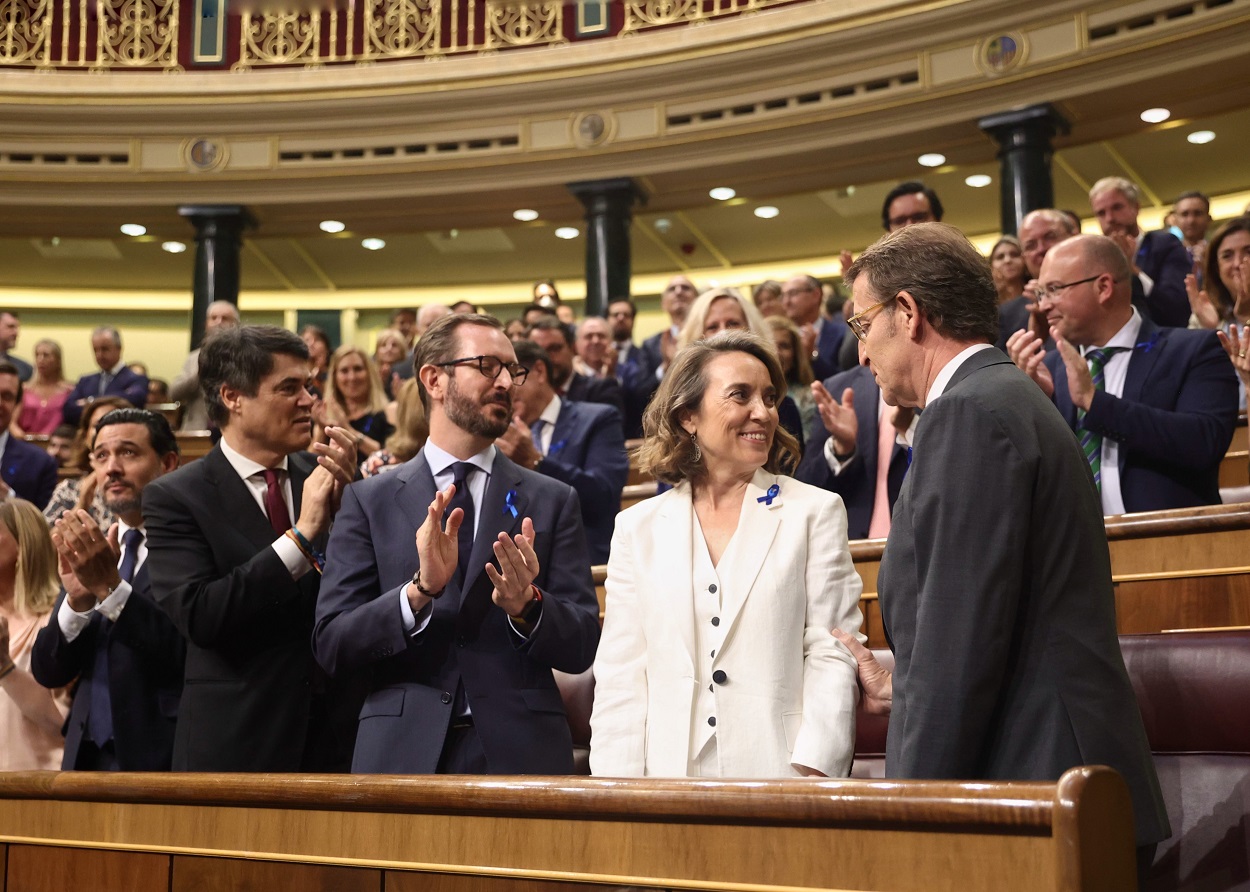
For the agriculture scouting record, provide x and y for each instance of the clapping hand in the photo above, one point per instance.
(839, 418)
(874, 679)
(518, 567)
(438, 545)
(1027, 351)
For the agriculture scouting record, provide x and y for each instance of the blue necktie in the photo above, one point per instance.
(462, 499)
(536, 434)
(100, 717)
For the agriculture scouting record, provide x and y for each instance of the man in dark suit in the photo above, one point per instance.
(115, 378)
(633, 368)
(10, 328)
(238, 580)
(581, 444)
(676, 299)
(107, 631)
(1159, 260)
(802, 298)
(995, 586)
(1040, 230)
(1154, 407)
(850, 461)
(554, 337)
(26, 471)
(460, 651)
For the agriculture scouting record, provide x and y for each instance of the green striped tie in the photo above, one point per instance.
(1091, 442)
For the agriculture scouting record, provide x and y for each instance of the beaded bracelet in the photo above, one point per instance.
(315, 557)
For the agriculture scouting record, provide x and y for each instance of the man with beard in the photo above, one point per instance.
(460, 581)
(108, 632)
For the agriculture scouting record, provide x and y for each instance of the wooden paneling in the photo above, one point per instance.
(1235, 469)
(55, 869)
(457, 833)
(236, 875)
(441, 882)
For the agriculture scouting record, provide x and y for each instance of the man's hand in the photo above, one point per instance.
(807, 335)
(438, 547)
(80, 600)
(518, 567)
(1127, 245)
(1237, 344)
(1037, 318)
(874, 679)
(1080, 382)
(89, 554)
(323, 490)
(517, 443)
(1027, 351)
(668, 347)
(87, 487)
(845, 259)
(839, 418)
(901, 417)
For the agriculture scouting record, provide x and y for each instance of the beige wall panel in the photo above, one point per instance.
(1053, 41)
(549, 133)
(639, 123)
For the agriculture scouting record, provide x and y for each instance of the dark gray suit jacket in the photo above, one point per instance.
(517, 709)
(996, 596)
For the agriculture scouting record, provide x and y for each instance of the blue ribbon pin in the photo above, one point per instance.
(509, 503)
(773, 492)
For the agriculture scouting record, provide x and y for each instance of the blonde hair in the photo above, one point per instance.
(411, 426)
(376, 401)
(697, 318)
(390, 334)
(802, 372)
(667, 452)
(36, 584)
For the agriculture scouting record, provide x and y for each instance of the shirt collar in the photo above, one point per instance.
(115, 370)
(440, 460)
(244, 466)
(552, 412)
(1126, 337)
(123, 528)
(943, 378)
(4, 441)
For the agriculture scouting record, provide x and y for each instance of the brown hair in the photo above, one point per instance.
(1211, 281)
(440, 341)
(802, 372)
(81, 450)
(37, 583)
(667, 452)
(411, 427)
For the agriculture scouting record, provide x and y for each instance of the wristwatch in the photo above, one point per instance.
(534, 609)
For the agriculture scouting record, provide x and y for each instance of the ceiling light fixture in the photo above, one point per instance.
(525, 215)
(568, 232)
(1155, 115)
(1201, 137)
(133, 229)
(931, 159)
(331, 226)
(174, 247)
(766, 212)
(979, 180)
(372, 244)
(722, 193)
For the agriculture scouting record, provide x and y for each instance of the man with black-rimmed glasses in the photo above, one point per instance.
(461, 581)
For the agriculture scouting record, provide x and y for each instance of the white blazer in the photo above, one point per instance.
(791, 691)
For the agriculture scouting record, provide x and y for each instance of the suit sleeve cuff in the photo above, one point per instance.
(1147, 284)
(292, 558)
(836, 467)
(414, 623)
(113, 605)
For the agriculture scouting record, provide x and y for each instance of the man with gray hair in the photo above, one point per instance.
(1154, 408)
(186, 387)
(115, 378)
(1040, 230)
(1158, 260)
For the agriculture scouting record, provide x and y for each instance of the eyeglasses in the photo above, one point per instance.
(857, 326)
(918, 217)
(1053, 290)
(492, 367)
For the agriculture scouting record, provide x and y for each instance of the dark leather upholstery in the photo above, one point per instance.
(578, 693)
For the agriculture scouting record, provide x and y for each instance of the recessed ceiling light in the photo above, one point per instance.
(1201, 137)
(174, 247)
(331, 226)
(134, 229)
(1155, 115)
(931, 159)
(722, 193)
(372, 244)
(766, 212)
(525, 215)
(567, 232)
(979, 180)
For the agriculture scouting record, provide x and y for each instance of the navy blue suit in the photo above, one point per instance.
(1163, 257)
(517, 710)
(29, 471)
(857, 484)
(146, 656)
(587, 452)
(637, 378)
(129, 385)
(826, 363)
(1174, 421)
(585, 389)
(24, 368)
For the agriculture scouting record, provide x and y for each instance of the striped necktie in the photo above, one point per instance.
(1091, 442)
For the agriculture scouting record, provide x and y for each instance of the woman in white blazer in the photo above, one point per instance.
(716, 658)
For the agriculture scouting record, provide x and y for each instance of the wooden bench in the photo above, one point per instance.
(1182, 569)
(183, 832)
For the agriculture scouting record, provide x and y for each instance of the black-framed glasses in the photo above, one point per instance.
(1054, 289)
(492, 367)
(856, 322)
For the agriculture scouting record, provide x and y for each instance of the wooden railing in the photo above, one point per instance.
(180, 832)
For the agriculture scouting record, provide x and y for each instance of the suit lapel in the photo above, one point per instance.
(562, 430)
(757, 527)
(1141, 361)
(413, 498)
(234, 500)
(673, 564)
